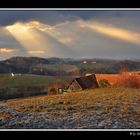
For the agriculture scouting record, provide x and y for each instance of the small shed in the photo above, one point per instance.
(82, 83)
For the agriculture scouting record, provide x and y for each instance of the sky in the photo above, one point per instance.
(70, 34)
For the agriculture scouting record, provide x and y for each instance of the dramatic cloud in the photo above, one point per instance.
(55, 17)
(32, 38)
(75, 34)
(29, 38)
(51, 17)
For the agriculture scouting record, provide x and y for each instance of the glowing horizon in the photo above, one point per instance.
(6, 50)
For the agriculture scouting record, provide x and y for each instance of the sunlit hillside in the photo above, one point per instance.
(97, 108)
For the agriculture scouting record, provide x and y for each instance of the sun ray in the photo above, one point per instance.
(52, 31)
(111, 31)
(41, 39)
(30, 39)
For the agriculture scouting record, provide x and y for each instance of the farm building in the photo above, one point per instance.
(85, 82)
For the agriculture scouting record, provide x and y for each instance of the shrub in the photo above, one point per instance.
(131, 81)
(53, 91)
(104, 83)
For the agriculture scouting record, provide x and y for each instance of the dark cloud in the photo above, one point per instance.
(50, 17)
(54, 17)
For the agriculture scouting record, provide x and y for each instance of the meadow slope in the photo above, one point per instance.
(90, 109)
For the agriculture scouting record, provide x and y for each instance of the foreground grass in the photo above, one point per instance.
(88, 99)
(100, 105)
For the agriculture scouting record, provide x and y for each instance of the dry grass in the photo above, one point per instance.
(101, 99)
(5, 114)
(107, 104)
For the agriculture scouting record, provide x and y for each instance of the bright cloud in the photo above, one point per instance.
(29, 38)
(40, 39)
(52, 31)
(36, 52)
(6, 50)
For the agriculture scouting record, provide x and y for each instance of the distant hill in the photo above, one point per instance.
(65, 66)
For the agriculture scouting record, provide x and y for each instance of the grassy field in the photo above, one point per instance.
(98, 108)
(6, 80)
(25, 85)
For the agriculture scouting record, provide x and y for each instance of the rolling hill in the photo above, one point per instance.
(65, 66)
